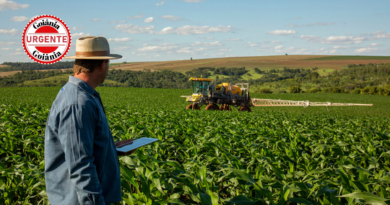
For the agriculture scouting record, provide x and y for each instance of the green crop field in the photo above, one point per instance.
(289, 155)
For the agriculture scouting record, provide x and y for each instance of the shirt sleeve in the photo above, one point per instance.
(76, 133)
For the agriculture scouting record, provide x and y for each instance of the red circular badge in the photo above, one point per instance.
(46, 39)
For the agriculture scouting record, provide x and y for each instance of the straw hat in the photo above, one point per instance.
(93, 48)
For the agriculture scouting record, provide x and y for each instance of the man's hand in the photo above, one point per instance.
(124, 143)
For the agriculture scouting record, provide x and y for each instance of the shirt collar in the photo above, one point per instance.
(83, 85)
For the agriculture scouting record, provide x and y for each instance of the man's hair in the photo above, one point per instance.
(86, 66)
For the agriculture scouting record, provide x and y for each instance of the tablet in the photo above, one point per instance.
(136, 144)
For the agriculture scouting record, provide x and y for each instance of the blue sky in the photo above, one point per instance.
(161, 30)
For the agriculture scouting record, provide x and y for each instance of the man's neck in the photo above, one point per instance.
(88, 78)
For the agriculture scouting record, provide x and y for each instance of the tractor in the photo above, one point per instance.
(223, 94)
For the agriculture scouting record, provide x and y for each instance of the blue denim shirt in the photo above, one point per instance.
(81, 163)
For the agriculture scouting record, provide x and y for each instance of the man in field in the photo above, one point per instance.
(81, 163)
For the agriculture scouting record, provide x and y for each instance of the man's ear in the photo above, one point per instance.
(102, 65)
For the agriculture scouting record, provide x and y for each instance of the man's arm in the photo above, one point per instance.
(76, 133)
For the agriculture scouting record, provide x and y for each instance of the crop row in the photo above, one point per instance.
(217, 157)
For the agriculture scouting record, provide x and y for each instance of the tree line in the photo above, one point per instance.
(364, 79)
(20, 66)
(356, 79)
(18, 78)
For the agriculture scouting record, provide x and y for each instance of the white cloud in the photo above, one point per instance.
(33, 17)
(278, 47)
(282, 32)
(233, 39)
(341, 47)
(119, 39)
(161, 3)
(122, 21)
(171, 18)
(17, 53)
(193, 1)
(120, 48)
(5, 49)
(129, 28)
(18, 49)
(149, 20)
(77, 28)
(310, 24)
(275, 42)
(19, 18)
(7, 43)
(344, 39)
(135, 17)
(365, 50)
(193, 30)
(208, 44)
(184, 50)
(332, 51)
(158, 48)
(368, 49)
(9, 31)
(225, 50)
(334, 39)
(96, 20)
(171, 48)
(208, 38)
(379, 35)
(293, 50)
(251, 44)
(80, 34)
(4, 4)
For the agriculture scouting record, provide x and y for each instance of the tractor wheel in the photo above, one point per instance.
(189, 107)
(196, 107)
(212, 107)
(245, 108)
(228, 107)
(225, 107)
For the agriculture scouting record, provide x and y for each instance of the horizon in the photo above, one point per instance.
(166, 30)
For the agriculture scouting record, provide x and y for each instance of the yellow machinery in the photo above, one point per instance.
(237, 95)
(224, 94)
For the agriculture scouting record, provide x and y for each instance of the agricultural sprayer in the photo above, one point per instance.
(226, 94)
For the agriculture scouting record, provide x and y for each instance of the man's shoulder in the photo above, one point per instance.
(72, 95)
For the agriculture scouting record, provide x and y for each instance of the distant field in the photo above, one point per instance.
(325, 64)
(350, 58)
(261, 62)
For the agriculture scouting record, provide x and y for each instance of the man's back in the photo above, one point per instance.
(81, 164)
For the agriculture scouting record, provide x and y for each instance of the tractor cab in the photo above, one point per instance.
(200, 86)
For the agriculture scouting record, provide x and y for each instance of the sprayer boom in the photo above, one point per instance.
(286, 103)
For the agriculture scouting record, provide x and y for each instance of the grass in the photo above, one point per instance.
(52, 80)
(324, 72)
(253, 75)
